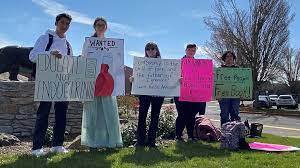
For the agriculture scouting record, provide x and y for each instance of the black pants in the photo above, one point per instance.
(156, 103)
(41, 124)
(186, 116)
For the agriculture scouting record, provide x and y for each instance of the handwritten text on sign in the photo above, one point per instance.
(154, 76)
(108, 51)
(197, 80)
(65, 79)
(233, 83)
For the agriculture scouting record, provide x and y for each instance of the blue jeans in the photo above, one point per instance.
(229, 106)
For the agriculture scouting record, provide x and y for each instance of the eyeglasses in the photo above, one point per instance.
(148, 49)
(100, 25)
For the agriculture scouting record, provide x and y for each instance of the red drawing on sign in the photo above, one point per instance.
(104, 83)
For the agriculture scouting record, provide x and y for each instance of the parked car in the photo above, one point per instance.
(286, 101)
(263, 101)
(273, 99)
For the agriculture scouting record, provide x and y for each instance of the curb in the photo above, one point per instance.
(266, 113)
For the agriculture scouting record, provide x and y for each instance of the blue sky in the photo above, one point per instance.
(169, 23)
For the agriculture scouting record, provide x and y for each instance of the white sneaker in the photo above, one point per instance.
(59, 149)
(38, 152)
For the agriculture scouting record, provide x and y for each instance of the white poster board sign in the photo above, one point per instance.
(66, 79)
(108, 51)
(157, 77)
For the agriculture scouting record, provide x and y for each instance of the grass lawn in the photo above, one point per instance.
(181, 155)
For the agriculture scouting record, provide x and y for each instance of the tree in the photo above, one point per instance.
(290, 68)
(258, 35)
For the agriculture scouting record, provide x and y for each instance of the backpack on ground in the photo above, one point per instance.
(205, 130)
(233, 136)
(254, 130)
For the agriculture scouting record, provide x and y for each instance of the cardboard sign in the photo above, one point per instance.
(197, 80)
(66, 79)
(109, 53)
(233, 83)
(155, 76)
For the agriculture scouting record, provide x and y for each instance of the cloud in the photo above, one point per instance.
(6, 42)
(136, 54)
(54, 8)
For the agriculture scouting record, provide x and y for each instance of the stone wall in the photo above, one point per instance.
(18, 110)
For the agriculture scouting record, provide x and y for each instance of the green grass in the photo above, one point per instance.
(181, 155)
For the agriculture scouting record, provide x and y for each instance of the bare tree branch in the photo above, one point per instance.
(258, 35)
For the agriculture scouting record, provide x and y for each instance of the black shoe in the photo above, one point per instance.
(179, 139)
(192, 140)
(152, 145)
(139, 145)
(93, 149)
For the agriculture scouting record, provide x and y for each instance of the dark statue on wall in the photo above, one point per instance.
(14, 59)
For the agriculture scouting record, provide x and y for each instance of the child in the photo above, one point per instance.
(188, 110)
(229, 106)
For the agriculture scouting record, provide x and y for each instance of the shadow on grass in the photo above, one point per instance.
(25, 161)
(178, 152)
(145, 156)
(70, 160)
(200, 149)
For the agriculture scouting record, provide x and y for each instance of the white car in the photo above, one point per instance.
(273, 99)
(286, 101)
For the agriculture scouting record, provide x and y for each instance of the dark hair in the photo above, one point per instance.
(225, 55)
(191, 45)
(63, 15)
(149, 45)
(97, 20)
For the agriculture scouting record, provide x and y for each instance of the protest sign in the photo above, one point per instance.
(233, 83)
(109, 53)
(66, 79)
(197, 80)
(153, 76)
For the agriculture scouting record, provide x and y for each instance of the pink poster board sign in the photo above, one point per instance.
(272, 147)
(197, 80)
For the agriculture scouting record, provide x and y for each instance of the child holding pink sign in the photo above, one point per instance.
(188, 110)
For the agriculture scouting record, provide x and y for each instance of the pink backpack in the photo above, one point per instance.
(205, 129)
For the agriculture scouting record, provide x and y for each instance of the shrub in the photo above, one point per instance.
(166, 126)
(49, 136)
(127, 106)
(129, 133)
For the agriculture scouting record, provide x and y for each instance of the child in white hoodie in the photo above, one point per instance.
(53, 42)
